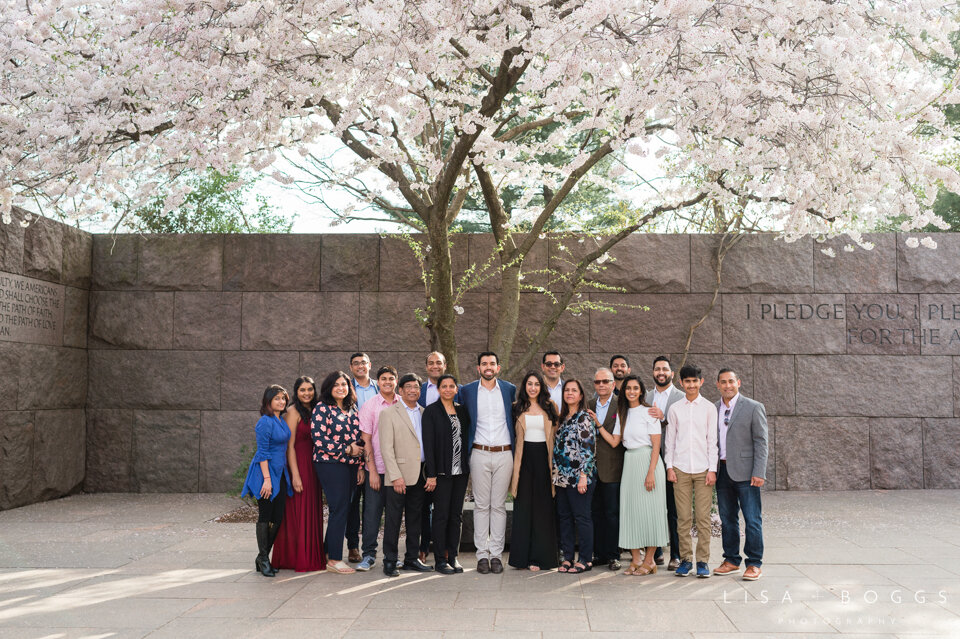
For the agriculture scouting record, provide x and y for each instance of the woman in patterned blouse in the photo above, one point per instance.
(574, 463)
(337, 451)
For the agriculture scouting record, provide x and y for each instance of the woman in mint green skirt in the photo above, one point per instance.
(643, 504)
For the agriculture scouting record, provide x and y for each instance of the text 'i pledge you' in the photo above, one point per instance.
(31, 311)
(882, 316)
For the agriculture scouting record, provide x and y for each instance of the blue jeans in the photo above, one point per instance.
(734, 497)
(373, 502)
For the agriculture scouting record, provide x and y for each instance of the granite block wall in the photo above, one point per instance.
(857, 357)
(44, 290)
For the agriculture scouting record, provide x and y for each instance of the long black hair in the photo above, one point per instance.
(326, 390)
(565, 411)
(272, 391)
(522, 404)
(623, 405)
(304, 411)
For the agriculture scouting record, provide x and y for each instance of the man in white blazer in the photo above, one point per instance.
(742, 440)
(401, 446)
(661, 398)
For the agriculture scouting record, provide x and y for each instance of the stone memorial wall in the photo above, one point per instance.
(44, 284)
(165, 343)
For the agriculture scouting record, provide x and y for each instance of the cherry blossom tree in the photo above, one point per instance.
(825, 116)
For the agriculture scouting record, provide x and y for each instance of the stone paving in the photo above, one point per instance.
(121, 566)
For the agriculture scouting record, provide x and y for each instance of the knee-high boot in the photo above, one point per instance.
(263, 545)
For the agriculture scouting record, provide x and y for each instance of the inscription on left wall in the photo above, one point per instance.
(31, 311)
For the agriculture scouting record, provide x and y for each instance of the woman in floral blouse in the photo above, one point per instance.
(574, 463)
(337, 451)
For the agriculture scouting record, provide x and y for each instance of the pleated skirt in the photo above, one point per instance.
(643, 513)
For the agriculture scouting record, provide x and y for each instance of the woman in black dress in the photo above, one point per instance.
(533, 543)
(445, 426)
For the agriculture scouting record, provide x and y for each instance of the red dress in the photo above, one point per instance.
(299, 544)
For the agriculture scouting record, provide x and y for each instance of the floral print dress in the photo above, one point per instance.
(574, 450)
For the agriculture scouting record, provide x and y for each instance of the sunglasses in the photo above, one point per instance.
(603, 381)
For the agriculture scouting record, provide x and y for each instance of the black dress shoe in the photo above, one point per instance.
(614, 564)
(444, 568)
(457, 568)
(496, 566)
(390, 569)
(416, 565)
(483, 566)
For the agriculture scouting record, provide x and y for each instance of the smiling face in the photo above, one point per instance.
(729, 385)
(436, 366)
(278, 403)
(387, 383)
(631, 391)
(552, 368)
(410, 392)
(488, 367)
(662, 374)
(340, 390)
(572, 395)
(532, 388)
(360, 367)
(447, 389)
(306, 393)
(620, 368)
(691, 386)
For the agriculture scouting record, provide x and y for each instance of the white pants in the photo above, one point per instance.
(490, 475)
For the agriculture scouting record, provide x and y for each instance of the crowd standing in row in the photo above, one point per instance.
(627, 468)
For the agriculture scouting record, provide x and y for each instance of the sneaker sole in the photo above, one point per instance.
(703, 576)
(363, 568)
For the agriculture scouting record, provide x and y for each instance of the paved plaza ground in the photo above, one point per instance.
(870, 563)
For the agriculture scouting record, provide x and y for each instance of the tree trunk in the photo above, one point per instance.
(442, 317)
(508, 315)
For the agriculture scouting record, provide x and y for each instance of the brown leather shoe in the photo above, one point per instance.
(752, 573)
(354, 556)
(726, 568)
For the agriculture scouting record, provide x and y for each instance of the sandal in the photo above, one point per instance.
(644, 569)
(577, 569)
(533, 568)
(340, 568)
(632, 569)
(564, 566)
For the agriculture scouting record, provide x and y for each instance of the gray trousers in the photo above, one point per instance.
(490, 474)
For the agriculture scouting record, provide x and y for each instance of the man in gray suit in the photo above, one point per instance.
(661, 398)
(742, 440)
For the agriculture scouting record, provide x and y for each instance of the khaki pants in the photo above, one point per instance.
(692, 495)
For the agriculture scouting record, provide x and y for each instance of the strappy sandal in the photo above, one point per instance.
(340, 568)
(565, 566)
(644, 569)
(632, 569)
(577, 569)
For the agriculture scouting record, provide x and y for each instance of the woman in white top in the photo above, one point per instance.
(643, 505)
(533, 541)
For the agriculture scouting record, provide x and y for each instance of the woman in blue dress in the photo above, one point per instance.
(268, 478)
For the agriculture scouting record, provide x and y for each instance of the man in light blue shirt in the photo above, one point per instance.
(365, 388)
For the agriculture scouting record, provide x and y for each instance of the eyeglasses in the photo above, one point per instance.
(603, 381)
(553, 364)
(726, 417)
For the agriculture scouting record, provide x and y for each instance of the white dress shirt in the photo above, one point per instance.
(556, 393)
(414, 415)
(660, 399)
(640, 425)
(432, 394)
(722, 422)
(691, 436)
(491, 419)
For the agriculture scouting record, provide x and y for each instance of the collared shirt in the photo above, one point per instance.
(723, 418)
(556, 393)
(491, 418)
(370, 424)
(660, 399)
(601, 409)
(365, 393)
(431, 393)
(692, 436)
(414, 415)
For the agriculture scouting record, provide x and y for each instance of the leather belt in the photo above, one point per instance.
(492, 449)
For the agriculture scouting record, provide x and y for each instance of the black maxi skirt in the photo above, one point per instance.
(534, 537)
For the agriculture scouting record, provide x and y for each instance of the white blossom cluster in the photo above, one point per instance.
(826, 113)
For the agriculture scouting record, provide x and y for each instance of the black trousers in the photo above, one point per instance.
(448, 515)
(426, 526)
(271, 511)
(672, 523)
(606, 520)
(406, 506)
(352, 533)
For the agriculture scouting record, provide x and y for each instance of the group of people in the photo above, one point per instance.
(624, 468)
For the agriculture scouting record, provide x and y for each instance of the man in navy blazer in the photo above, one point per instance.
(742, 441)
(490, 441)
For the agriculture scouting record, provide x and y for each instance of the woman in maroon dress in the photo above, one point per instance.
(299, 544)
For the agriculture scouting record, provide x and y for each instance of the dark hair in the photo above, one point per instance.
(543, 360)
(409, 377)
(305, 411)
(623, 405)
(387, 369)
(446, 376)
(727, 370)
(438, 353)
(565, 410)
(689, 370)
(662, 358)
(487, 354)
(522, 404)
(272, 391)
(616, 357)
(356, 355)
(326, 390)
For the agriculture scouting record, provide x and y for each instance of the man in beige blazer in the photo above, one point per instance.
(401, 446)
